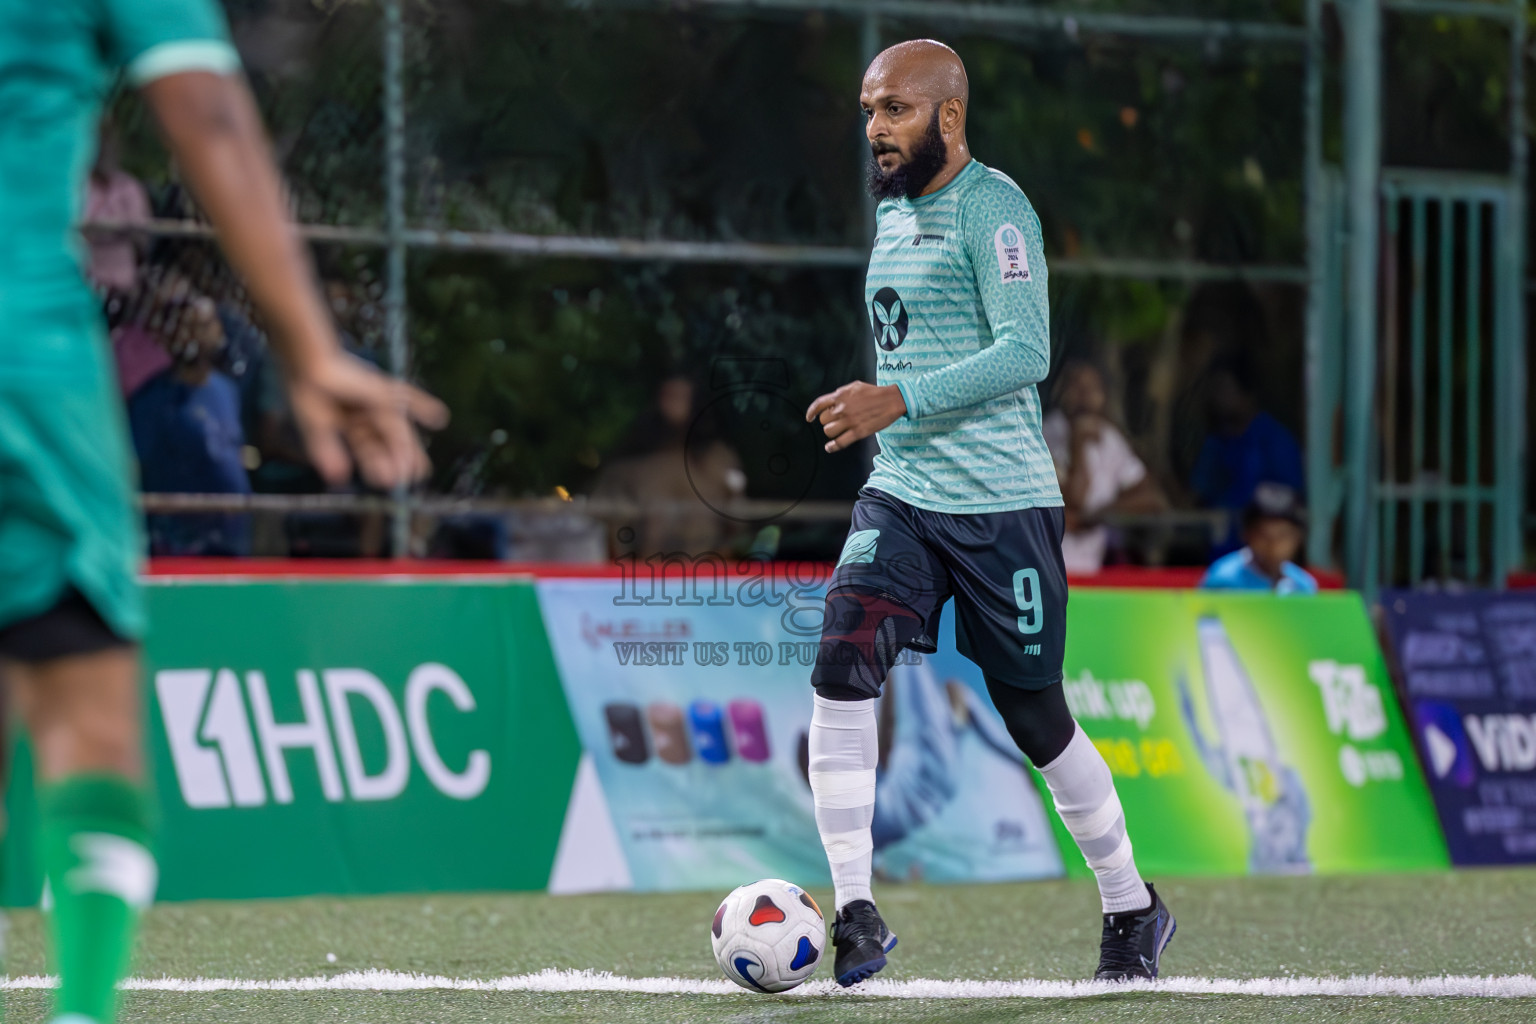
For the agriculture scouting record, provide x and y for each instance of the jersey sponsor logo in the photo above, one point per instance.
(888, 318)
(918, 240)
(1011, 264)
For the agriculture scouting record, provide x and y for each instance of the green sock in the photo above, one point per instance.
(94, 836)
(5, 921)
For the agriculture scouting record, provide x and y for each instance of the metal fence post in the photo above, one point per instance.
(1320, 365)
(394, 226)
(1362, 163)
(1510, 427)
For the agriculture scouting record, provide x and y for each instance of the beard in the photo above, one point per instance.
(912, 176)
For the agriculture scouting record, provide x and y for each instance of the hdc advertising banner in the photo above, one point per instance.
(394, 736)
(1468, 673)
(349, 737)
(1248, 733)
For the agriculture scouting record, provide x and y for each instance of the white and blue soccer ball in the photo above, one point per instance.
(768, 936)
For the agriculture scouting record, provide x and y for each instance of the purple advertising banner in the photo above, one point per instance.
(1468, 672)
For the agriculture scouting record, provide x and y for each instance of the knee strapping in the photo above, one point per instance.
(862, 636)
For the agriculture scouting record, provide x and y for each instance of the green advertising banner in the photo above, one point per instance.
(369, 736)
(1248, 734)
(348, 737)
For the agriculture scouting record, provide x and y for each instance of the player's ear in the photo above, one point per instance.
(952, 116)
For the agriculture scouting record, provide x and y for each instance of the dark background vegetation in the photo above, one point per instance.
(643, 119)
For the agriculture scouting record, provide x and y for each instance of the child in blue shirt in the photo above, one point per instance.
(1274, 525)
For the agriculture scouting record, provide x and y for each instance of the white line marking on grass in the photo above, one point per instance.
(1517, 986)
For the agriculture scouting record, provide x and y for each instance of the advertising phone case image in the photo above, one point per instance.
(669, 733)
(626, 733)
(750, 729)
(708, 725)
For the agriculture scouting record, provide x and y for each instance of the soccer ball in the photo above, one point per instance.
(768, 936)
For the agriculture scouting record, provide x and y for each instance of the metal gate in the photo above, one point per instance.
(1449, 418)
(1425, 479)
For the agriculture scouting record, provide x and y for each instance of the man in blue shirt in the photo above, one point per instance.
(186, 431)
(1273, 528)
(1246, 447)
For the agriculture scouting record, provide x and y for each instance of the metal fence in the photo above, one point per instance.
(387, 234)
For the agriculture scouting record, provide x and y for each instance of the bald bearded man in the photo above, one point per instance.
(962, 503)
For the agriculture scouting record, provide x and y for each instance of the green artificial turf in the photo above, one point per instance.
(1416, 926)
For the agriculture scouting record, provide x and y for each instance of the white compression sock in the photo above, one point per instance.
(1084, 791)
(844, 746)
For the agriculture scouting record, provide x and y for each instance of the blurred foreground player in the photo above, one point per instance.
(70, 610)
(963, 502)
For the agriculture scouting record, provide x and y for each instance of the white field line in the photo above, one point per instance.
(1369, 985)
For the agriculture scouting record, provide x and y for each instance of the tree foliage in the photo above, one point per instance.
(634, 119)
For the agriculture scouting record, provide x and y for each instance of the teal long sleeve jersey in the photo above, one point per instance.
(60, 61)
(957, 302)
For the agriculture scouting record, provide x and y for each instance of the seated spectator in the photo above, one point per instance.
(202, 268)
(186, 430)
(1274, 525)
(139, 354)
(112, 194)
(1098, 470)
(1243, 448)
(672, 457)
(138, 347)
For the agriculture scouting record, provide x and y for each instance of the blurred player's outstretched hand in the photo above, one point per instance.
(350, 413)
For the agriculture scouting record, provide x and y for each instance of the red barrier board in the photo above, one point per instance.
(1120, 576)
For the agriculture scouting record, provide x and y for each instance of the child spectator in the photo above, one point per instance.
(1274, 525)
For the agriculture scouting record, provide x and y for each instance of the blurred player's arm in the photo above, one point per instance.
(214, 132)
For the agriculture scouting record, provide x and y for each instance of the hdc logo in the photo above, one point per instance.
(215, 749)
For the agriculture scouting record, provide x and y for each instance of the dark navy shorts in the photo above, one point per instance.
(1003, 569)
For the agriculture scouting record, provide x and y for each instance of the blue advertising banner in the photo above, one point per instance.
(695, 716)
(1468, 670)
